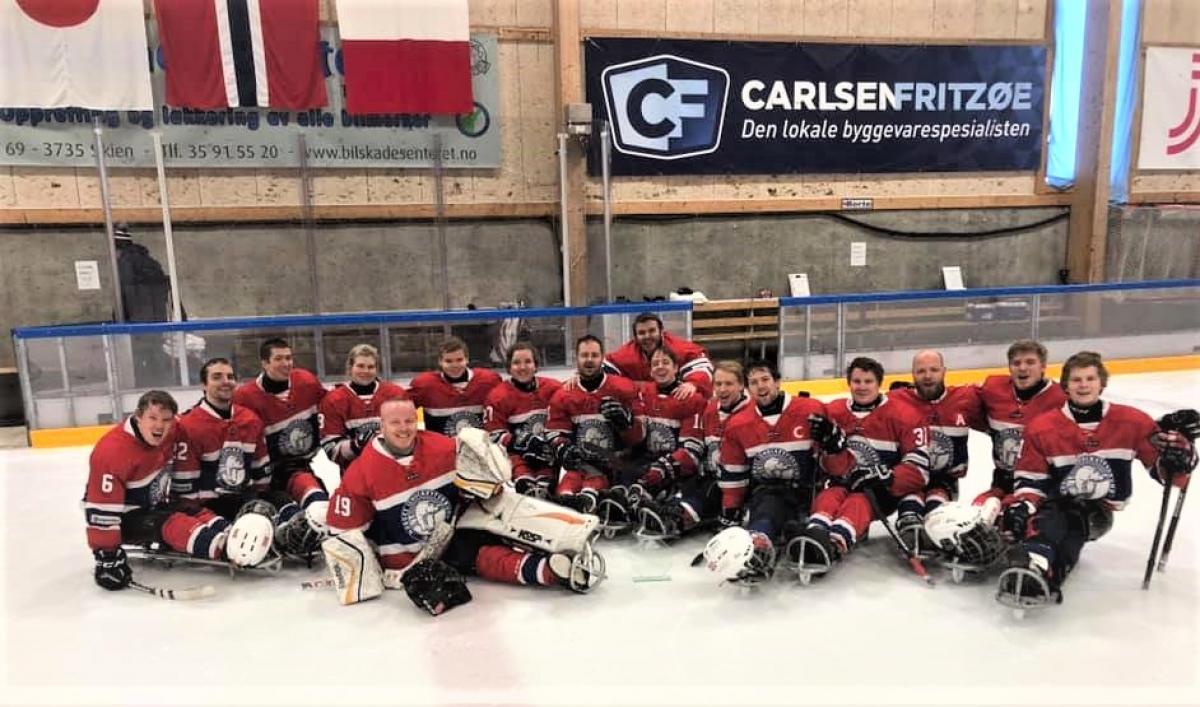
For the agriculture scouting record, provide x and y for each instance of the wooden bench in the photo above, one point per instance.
(744, 320)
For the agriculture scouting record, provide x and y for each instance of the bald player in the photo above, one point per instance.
(950, 413)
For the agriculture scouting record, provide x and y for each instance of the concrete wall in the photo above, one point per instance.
(727, 257)
(1153, 243)
(261, 270)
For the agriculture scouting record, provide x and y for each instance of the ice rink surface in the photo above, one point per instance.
(868, 633)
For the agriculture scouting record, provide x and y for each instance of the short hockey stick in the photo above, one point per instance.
(911, 556)
(1166, 550)
(203, 592)
(1158, 531)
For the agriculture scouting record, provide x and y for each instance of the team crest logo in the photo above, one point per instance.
(941, 451)
(595, 433)
(534, 425)
(1007, 446)
(461, 420)
(420, 512)
(1090, 478)
(296, 439)
(712, 461)
(231, 468)
(159, 488)
(865, 454)
(774, 464)
(660, 438)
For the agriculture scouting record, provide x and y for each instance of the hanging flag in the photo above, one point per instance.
(74, 53)
(241, 53)
(406, 56)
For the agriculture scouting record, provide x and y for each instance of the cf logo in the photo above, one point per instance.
(665, 107)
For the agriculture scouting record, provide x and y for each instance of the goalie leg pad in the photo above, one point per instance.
(353, 566)
(533, 522)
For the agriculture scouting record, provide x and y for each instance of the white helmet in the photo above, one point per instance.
(249, 539)
(730, 553)
(965, 532)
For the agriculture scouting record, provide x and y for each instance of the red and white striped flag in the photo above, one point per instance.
(74, 53)
(241, 53)
(406, 56)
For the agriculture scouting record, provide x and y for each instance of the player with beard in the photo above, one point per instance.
(950, 414)
(592, 424)
(632, 359)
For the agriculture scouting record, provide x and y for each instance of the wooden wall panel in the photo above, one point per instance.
(529, 173)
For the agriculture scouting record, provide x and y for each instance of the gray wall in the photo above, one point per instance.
(262, 269)
(734, 256)
(1153, 243)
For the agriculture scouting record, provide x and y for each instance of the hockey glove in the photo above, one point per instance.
(730, 517)
(520, 442)
(827, 434)
(616, 414)
(876, 477)
(537, 452)
(1015, 521)
(568, 457)
(360, 438)
(112, 569)
(435, 586)
(659, 472)
(1185, 422)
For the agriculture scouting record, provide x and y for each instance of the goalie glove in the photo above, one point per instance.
(112, 569)
(826, 434)
(435, 586)
(617, 414)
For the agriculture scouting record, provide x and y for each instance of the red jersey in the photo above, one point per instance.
(714, 420)
(889, 434)
(1007, 415)
(289, 418)
(449, 407)
(575, 414)
(396, 501)
(694, 367)
(673, 427)
(344, 411)
(950, 420)
(1061, 458)
(218, 456)
(124, 474)
(760, 449)
(510, 410)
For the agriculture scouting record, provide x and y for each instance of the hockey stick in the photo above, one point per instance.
(1158, 531)
(1166, 550)
(203, 592)
(911, 556)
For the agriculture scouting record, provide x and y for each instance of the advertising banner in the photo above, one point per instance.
(718, 107)
(261, 137)
(1170, 114)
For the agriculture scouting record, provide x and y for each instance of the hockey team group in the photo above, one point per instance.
(515, 480)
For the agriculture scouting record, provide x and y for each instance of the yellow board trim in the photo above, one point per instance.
(87, 436)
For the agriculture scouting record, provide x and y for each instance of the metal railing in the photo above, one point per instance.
(92, 373)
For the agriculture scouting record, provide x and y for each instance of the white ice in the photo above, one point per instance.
(869, 632)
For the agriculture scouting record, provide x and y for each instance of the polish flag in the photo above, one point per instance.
(406, 56)
(241, 53)
(74, 53)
